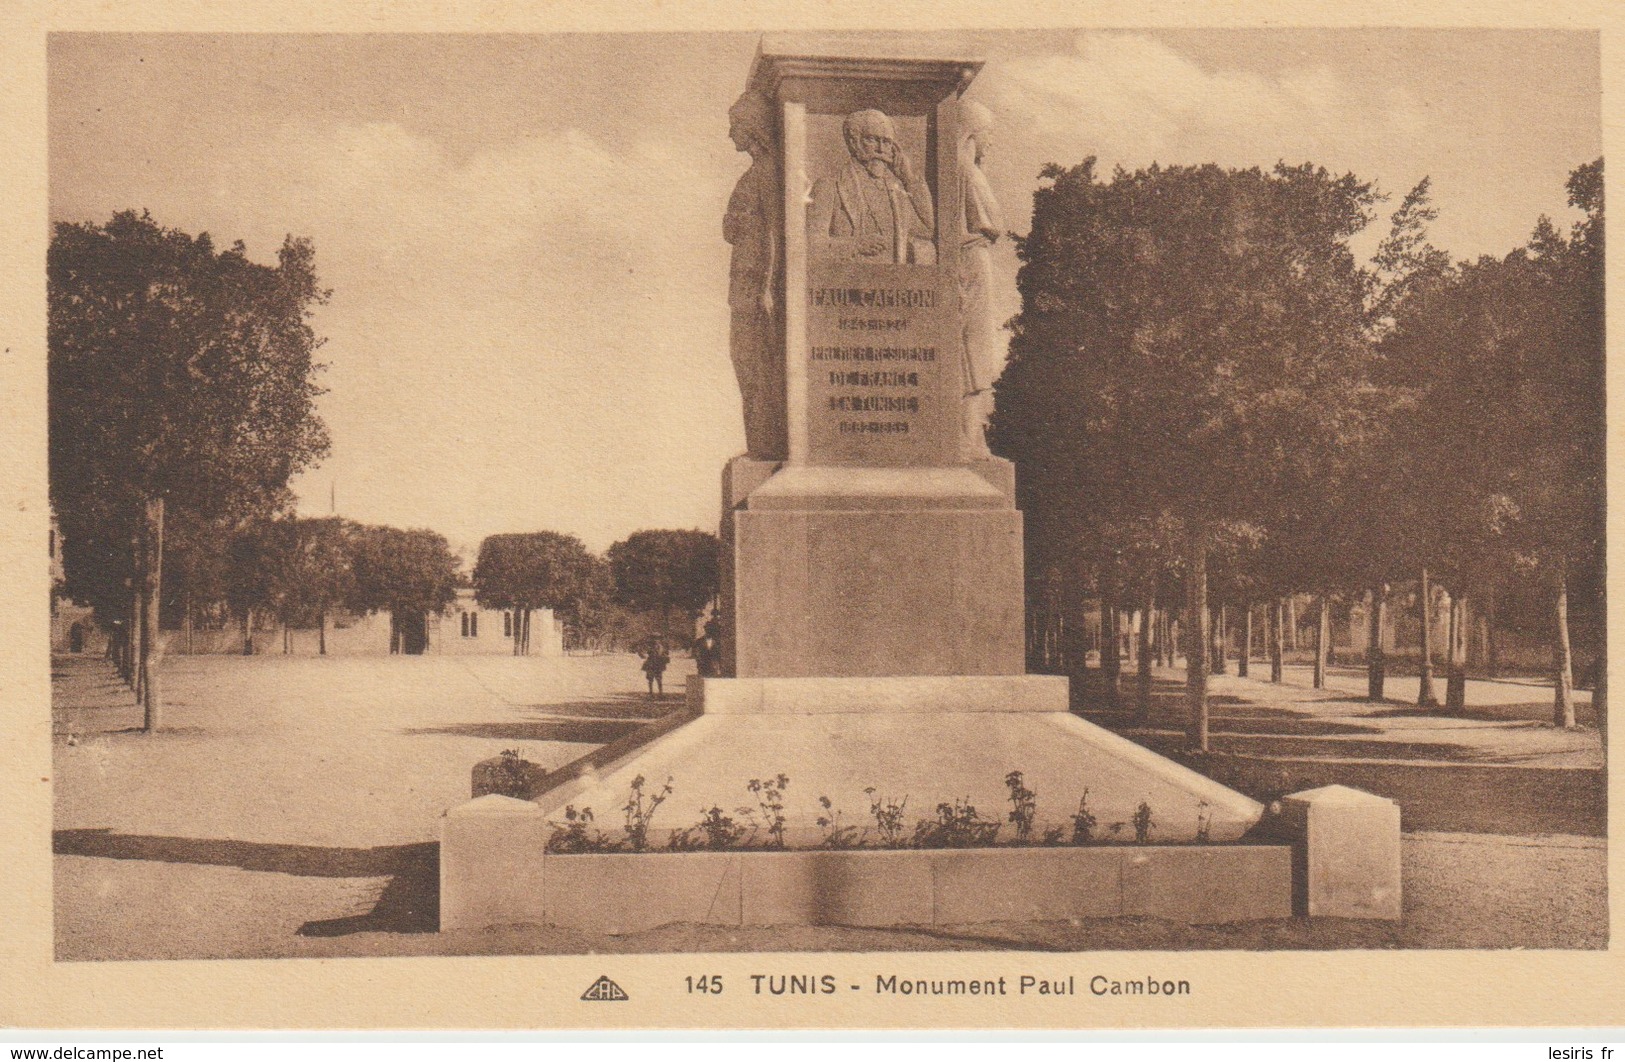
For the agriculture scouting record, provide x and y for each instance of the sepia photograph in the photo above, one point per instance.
(1046, 492)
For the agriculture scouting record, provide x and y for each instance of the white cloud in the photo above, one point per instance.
(1131, 100)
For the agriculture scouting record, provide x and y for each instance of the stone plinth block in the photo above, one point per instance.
(490, 863)
(924, 758)
(624, 893)
(1051, 884)
(1349, 843)
(860, 592)
(915, 694)
(836, 888)
(1207, 884)
(608, 894)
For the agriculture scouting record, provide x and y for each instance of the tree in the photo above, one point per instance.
(524, 572)
(1191, 341)
(1508, 357)
(1405, 268)
(409, 573)
(181, 379)
(661, 571)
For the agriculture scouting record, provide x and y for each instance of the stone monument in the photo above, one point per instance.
(872, 612)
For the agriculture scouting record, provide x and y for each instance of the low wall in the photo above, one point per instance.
(494, 871)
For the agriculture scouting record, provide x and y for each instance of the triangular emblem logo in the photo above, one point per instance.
(604, 990)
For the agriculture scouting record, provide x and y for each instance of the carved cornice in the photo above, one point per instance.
(780, 59)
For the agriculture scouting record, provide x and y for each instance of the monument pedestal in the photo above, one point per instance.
(871, 581)
(926, 740)
(842, 571)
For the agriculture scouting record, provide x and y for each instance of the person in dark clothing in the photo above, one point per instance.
(654, 667)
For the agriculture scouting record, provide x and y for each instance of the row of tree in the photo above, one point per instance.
(652, 583)
(181, 401)
(1213, 401)
(298, 571)
(182, 389)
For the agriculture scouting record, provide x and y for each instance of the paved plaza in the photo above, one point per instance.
(291, 806)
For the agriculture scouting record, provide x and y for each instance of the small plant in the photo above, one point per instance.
(888, 816)
(510, 779)
(716, 831)
(836, 835)
(1116, 829)
(1023, 806)
(770, 798)
(1204, 821)
(1053, 835)
(1142, 823)
(957, 825)
(574, 836)
(639, 810)
(1083, 821)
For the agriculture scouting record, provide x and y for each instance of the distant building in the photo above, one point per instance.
(463, 629)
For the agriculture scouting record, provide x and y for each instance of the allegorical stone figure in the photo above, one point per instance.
(877, 208)
(752, 227)
(979, 227)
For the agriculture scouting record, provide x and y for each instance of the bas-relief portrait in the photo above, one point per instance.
(873, 205)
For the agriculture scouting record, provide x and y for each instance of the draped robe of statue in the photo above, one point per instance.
(750, 226)
(983, 356)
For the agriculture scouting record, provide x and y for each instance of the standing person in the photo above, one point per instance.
(654, 667)
(708, 650)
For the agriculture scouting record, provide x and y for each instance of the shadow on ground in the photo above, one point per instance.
(1267, 753)
(409, 902)
(595, 722)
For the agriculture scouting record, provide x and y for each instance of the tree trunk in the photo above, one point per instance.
(1196, 663)
(133, 666)
(152, 589)
(1599, 693)
(248, 632)
(186, 620)
(142, 637)
(1220, 650)
(528, 612)
(1111, 665)
(1492, 652)
(1147, 630)
(287, 638)
(1292, 622)
(321, 633)
(1277, 640)
(1323, 637)
(1425, 697)
(1563, 659)
(1455, 683)
(1376, 661)
(1246, 654)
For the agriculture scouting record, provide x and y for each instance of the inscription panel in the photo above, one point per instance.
(881, 365)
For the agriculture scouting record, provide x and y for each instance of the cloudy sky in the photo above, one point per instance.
(528, 326)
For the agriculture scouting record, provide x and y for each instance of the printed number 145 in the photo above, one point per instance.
(709, 984)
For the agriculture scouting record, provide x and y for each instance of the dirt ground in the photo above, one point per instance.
(290, 809)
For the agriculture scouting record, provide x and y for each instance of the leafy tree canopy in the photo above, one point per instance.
(665, 569)
(537, 569)
(404, 571)
(175, 371)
